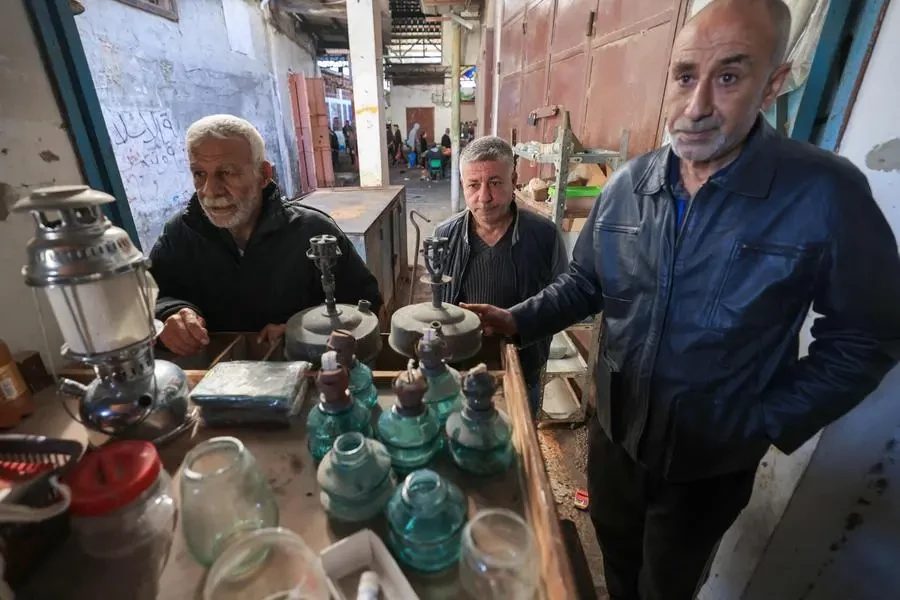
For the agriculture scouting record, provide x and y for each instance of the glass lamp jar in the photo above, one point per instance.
(267, 564)
(410, 430)
(499, 558)
(361, 385)
(356, 478)
(224, 494)
(425, 520)
(336, 412)
(443, 395)
(480, 435)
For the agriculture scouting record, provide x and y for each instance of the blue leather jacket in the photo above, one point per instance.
(701, 371)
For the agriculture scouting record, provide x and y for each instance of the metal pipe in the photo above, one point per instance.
(454, 116)
(415, 265)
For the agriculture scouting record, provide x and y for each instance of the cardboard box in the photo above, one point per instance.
(346, 561)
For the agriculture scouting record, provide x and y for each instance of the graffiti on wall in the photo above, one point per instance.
(149, 149)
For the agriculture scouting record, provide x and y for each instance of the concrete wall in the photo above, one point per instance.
(35, 151)
(154, 77)
(413, 96)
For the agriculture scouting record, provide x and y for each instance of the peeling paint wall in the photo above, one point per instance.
(35, 151)
(154, 77)
(840, 535)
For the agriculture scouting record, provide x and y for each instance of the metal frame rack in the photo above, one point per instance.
(563, 152)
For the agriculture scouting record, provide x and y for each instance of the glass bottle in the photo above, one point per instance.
(443, 395)
(224, 494)
(479, 435)
(425, 520)
(267, 564)
(410, 430)
(356, 478)
(336, 412)
(499, 558)
(361, 386)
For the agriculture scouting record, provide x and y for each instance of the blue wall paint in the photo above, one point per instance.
(864, 28)
(815, 88)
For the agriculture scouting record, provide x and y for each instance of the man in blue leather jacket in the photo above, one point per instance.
(705, 257)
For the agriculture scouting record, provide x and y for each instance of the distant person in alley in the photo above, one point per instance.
(705, 257)
(235, 258)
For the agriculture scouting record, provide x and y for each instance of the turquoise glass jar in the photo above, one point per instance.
(425, 520)
(356, 478)
(444, 395)
(480, 435)
(361, 386)
(336, 412)
(410, 430)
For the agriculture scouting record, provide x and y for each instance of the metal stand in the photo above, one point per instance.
(564, 151)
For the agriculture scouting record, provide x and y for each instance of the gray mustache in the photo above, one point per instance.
(700, 126)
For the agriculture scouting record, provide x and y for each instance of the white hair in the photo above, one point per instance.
(224, 127)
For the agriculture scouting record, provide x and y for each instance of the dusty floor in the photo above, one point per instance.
(559, 445)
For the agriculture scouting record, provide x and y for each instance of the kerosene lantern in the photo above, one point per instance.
(460, 328)
(102, 295)
(307, 332)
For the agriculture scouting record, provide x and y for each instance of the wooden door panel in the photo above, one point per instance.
(627, 82)
(508, 109)
(567, 88)
(615, 15)
(537, 31)
(511, 44)
(534, 88)
(570, 26)
(424, 116)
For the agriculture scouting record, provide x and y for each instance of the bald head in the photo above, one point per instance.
(771, 19)
(726, 67)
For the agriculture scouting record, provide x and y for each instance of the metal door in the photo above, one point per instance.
(424, 116)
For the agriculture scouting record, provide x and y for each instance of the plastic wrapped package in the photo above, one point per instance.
(251, 392)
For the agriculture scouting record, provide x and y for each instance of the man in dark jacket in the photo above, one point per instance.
(499, 254)
(705, 257)
(235, 258)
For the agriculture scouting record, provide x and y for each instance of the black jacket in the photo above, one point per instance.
(539, 254)
(701, 325)
(198, 265)
(445, 141)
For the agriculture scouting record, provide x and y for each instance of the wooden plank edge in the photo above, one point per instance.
(540, 506)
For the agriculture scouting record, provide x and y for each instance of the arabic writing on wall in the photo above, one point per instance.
(149, 151)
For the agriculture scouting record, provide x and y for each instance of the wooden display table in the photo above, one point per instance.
(283, 454)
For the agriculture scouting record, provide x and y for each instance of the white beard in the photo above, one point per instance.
(239, 217)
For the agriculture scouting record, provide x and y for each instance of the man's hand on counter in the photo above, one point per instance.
(271, 333)
(185, 333)
(494, 321)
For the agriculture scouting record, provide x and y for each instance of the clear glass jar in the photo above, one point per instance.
(122, 507)
(224, 495)
(499, 558)
(267, 564)
(356, 478)
(425, 521)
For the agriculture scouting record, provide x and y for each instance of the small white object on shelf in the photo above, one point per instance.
(347, 561)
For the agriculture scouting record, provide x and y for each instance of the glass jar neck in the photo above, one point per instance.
(215, 458)
(424, 490)
(350, 449)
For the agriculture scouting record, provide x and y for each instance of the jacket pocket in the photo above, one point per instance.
(713, 436)
(763, 285)
(616, 247)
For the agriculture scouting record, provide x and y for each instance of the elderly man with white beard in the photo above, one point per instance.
(235, 258)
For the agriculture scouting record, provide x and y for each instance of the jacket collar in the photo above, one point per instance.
(272, 216)
(467, 216)
(750, 175)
